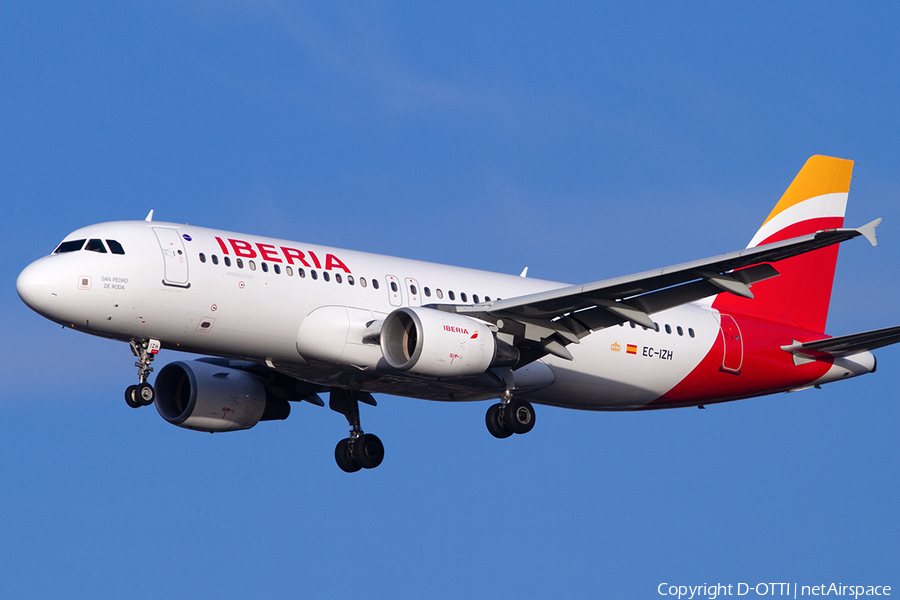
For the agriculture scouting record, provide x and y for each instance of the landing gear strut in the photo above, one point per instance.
(509, 416)
(360, 450)
(143, 393)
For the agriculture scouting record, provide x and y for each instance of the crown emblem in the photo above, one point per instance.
(615, 347)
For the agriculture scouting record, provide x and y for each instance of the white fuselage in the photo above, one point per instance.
(312, 326)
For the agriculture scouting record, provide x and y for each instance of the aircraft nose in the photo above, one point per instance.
(38, 286)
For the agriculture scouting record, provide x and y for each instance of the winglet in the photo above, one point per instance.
(868, 231)
(149, 215)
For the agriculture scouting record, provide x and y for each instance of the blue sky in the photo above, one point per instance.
(585, 141)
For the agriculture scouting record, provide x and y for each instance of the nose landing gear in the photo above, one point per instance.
(143, 393)
(360, 450)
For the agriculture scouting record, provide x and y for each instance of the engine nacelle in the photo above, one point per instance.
(432, 342)
(207, 397)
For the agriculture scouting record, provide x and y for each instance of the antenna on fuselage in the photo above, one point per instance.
(524, 272)
(149, 215)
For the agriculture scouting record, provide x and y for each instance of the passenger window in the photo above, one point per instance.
(440, 294)
(680, 330)
(350, 279)
(313, 274)
(463, 297)
(227, 261)
(475, 298)
(277, 269)
(690, 332)
(375, 283)
(265, 266)
(668, 328)
(451, 295)
(427, 291)
(487, 298)
(239, 263)
(215, 259)
(70, 246)
(202, 257)
(413, 290)
(252, 265)
(393, 286)
(289, 271)
(301, 272)
(337, 278)
(115, 247)
(95, 246)
(362, 281)
(326, 276)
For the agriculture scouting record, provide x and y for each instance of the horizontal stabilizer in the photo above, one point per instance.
(846, 345)
(868, 231)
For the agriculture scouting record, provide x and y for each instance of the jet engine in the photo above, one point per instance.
(436, 343)
(208, 397)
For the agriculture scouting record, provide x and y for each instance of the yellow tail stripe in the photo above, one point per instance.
(820, 175)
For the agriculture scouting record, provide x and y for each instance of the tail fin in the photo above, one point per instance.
(815, 200)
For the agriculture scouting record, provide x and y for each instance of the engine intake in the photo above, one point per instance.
(208, 397)
(435, 343)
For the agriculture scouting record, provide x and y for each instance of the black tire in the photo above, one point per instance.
(343, 458)
(144, 394)
(368, 451)
(518, 416)
(494, 422)
(131, 398)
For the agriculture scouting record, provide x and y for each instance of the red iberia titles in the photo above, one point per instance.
(280, 254)
(452, 329)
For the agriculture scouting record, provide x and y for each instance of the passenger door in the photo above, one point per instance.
(174, 257)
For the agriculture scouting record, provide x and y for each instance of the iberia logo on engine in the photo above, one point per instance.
(453, 329)
(462, 330)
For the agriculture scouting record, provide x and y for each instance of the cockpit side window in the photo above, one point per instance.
(95, 246)
(70, 246)
(115, 247)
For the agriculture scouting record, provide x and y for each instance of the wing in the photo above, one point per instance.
(546, 322)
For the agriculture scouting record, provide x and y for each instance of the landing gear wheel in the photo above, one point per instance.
(130, 397)
(368, 451)
(518, 416)
(494, 422)
(343, 458)
(360, 450)
(144, 394)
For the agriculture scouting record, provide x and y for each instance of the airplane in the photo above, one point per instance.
(286, 321)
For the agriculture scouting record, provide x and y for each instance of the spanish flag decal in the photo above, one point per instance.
(631, 349)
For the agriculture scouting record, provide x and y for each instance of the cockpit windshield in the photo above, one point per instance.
(70, 246)
(93, 245)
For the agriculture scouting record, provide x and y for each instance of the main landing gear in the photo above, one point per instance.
(509, 416)
(143, 393)
(360, 450)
